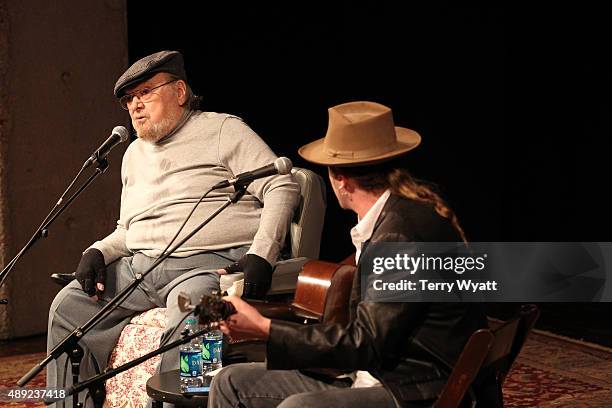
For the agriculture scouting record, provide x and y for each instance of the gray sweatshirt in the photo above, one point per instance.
(162, 181)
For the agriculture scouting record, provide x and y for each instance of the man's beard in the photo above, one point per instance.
(156, 131)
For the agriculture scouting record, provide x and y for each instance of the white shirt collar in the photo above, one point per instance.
(365, 226)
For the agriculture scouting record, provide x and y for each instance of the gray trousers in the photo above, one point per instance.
(194, 275)
(252, 385)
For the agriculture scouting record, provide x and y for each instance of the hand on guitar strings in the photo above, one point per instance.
(246, 323)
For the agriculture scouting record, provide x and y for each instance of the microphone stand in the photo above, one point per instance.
(43, 230)
(70, 342)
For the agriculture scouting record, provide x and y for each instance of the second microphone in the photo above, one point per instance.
(282, 165)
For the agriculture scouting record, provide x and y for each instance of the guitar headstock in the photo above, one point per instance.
(212, 308)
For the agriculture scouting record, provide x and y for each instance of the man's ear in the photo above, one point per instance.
(343, 181)
(347, 183)
(181, 91)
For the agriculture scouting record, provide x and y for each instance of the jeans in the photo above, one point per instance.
(252, 385)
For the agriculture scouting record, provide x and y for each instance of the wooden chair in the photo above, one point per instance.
(489, 353)
(529, 314)
(468, 364)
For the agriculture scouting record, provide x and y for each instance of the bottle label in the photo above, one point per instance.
(191, 363)
(211, 350)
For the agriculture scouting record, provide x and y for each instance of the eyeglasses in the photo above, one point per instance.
(144, 94)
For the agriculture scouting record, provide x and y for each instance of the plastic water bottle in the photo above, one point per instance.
(190, 358)
(212, 344)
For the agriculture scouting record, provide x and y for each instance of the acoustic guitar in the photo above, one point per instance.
(322, 295)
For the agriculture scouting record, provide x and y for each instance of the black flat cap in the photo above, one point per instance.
(163, 61)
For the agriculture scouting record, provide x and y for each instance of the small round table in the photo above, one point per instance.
(164, 387)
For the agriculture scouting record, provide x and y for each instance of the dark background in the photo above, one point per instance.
(513, 105)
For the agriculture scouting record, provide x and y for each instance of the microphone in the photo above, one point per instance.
(282, 165)
(120, 134)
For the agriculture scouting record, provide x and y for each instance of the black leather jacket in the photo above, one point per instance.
(409, 347)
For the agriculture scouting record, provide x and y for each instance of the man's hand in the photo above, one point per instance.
(257, 275)
(91, 272)
(237, 266)
(246, 323)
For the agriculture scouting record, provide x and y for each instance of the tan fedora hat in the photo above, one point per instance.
(360, 133)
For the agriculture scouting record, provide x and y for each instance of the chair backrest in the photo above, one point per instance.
(500, 353)
(468, 364)
(484, 358)
(307, 224)
(528, 316)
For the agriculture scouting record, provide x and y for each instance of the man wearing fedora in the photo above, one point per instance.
(180, 152)
(397, 354)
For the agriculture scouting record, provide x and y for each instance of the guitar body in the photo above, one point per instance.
(323, 292)
(322, 295)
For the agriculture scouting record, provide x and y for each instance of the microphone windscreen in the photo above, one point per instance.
(283, 165)
(122, 132)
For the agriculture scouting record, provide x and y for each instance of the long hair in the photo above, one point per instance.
(388, 175)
